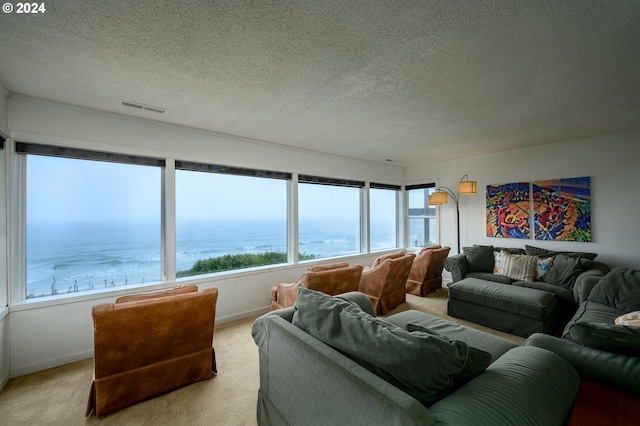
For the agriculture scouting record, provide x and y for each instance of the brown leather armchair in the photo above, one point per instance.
(331, 279)
(384, 282)
(149, 344)
(426, 273)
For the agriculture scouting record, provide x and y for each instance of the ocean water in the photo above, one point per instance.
(76, 257)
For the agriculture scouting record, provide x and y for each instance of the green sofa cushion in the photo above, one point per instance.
(479, 258)
(565, 270)
(421, 365)
(540, 252)
(608, 337)
(477, 361)
(620, 288)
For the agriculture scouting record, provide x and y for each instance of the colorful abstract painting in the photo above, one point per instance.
(508, 207)
(562, 209)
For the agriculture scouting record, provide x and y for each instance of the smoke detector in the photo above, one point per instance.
(141, 107)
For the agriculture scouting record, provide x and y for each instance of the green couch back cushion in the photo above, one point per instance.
(620, 288)
(608, 337)
(421, 365)
(477, 360)
(479, 258)
(565, 270)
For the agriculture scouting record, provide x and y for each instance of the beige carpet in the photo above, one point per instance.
(58, 396)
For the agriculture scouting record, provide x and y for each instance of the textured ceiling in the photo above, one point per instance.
(411, 81)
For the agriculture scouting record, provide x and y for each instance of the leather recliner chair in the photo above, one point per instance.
(384, 282)
(331, 279)
(426, 272)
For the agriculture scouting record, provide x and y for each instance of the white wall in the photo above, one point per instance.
(44, 334)
(610, 160)
(4, 126)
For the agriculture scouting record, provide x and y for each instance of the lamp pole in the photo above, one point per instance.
(465, 186)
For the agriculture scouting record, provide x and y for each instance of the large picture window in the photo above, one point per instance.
(422, 217)
(328, 217)
(383, 217)
(228, 220)
(89, 224)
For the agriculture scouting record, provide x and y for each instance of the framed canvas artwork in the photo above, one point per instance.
(562, 209)
(507, 208)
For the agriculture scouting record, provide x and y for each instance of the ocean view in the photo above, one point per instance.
(75, 257)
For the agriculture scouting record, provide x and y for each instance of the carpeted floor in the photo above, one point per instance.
(58, 396)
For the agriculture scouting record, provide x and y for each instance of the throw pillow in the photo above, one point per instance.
(420, 365)
(358, 299)
(543, 266)
(477, 361)
(540, 252)
(565, 270)
(632, 319)
(620, 288)
(497, 261)
(517, 267)
(479, 258)
(510, 250)
(607, 337)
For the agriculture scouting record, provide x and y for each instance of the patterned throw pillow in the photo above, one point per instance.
(497, 261)
(517, 267)
(543, 266)
(630, 319)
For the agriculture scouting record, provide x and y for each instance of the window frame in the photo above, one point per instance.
(408, 243)
(363, 215)
(21, 150)
(398, 196)
(16, 218)
(209, 168)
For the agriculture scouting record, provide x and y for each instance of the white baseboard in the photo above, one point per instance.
(4, 380)
(242, 315)
(50, 363)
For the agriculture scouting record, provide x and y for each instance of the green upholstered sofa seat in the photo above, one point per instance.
(512, 309)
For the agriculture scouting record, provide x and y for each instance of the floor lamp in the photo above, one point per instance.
(441, 196)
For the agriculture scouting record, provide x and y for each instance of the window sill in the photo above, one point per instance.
(108, 295)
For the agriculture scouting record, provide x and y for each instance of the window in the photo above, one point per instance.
(90, 223)
(383, 217)
(328, 217)
(422, 217)
(226, 219)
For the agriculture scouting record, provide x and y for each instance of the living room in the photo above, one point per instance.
(31, 341)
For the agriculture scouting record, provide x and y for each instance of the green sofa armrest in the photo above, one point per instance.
(620, 371)
(583, 288)
(525, 386)
(457, 265)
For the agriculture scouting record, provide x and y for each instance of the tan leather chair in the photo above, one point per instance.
(149, 344)
(426, 273)
(331, 279)
(384, 282)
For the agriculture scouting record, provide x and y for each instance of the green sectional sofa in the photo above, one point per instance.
(518, 291)
(598, 348)
(329, 361)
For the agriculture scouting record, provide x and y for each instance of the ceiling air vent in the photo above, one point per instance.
(141, 107)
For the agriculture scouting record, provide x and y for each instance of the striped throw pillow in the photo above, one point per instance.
(518, 267)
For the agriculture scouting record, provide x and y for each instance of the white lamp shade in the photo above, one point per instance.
(438, 198)
(467, 187)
